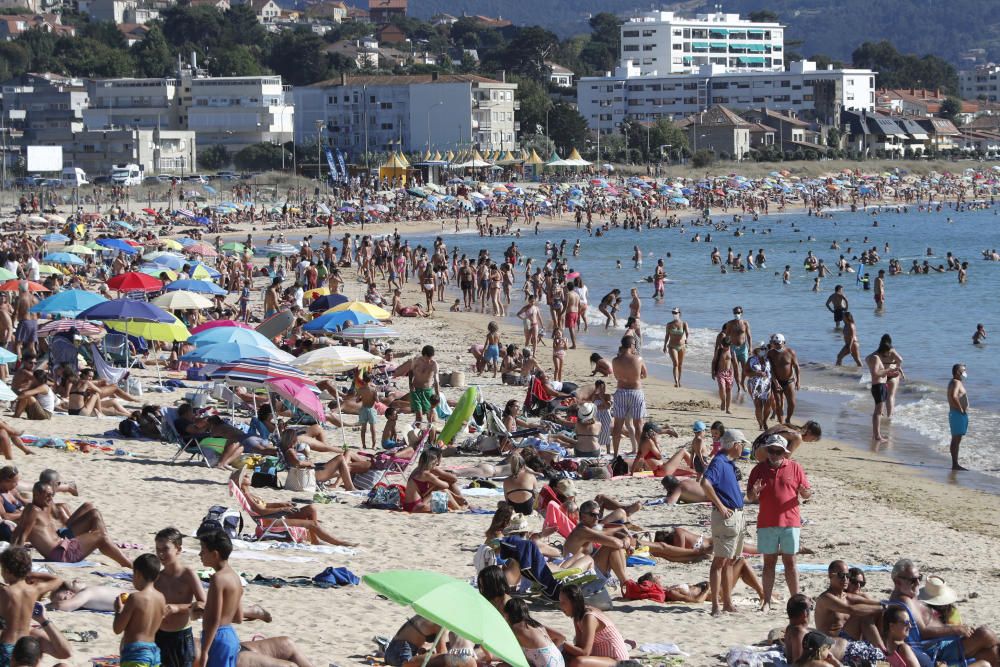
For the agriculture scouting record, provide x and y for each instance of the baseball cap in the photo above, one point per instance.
(776, 441)
(698, 427)
(778, 338)
(731, 436)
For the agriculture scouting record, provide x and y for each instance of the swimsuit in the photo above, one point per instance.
(492, 353)
(176, 647)
(629, 403)
(880, 392)
(546, 656)
(676, 331)
(742, 351)
(420, 399)
(225, 647)
(67, 550)
(725, 378)
(140, 654)
(6, 651)
(525, 507)
(366, 415)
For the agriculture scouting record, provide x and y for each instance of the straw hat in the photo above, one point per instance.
(586, 411)
(518, 524)
(937, 593)
(566, 488)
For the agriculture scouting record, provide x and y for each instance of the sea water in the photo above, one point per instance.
(931, 318)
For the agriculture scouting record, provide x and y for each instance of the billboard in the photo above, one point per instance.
(45, 158)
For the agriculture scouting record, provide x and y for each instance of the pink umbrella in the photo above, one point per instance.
(300, 394)
(211, 324)
(202, 249)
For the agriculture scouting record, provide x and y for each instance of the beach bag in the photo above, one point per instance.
(133, 385)
(566, 465)
(301, 479)
(592, 469)
(222, 518)
(386, 497)
(619, 467)
(129, 428)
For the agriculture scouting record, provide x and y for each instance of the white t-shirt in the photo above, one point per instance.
(299, 294)
(47, 401)
(33, 272)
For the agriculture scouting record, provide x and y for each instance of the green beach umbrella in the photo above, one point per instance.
(454, 605)
(7, 275)
(234, 246)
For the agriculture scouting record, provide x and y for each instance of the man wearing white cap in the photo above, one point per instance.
(722, 488)
(785, 375)
(777, 484)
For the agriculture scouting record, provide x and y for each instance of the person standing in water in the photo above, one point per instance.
(958, 411)
(851, 345)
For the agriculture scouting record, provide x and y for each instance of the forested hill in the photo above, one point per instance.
(831, 27)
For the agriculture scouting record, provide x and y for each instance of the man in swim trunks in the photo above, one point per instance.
(26, 334)
(880, 391)
(572, 312)
(628, 401)
(880, 290)
(424, 384)
(784, 375)
(958, 411)
(613, 548)
(740, 341)
(38, 527)
(842, 614)
(837, 304)
(220, 645)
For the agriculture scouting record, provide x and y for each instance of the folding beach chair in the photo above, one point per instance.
(206, 450)
(104, 370)
(62, 352)
(267, 527)
(386, 463)
(116, 351)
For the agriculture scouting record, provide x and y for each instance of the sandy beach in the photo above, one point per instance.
(868, 510)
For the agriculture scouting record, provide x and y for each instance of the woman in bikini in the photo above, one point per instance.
(427, 490)
(411, 640)
(539, 643)
(521, 486)
(559, 348)
(607, 307)
(79, 401)
(597, 642)
(11, 502)
(649, 457)
(892, 361)
(675, 344)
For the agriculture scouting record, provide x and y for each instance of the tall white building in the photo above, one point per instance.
(811, 93)
(982, 82)
(665, 43)
(409, 113)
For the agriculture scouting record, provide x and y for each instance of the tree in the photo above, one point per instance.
(188, 26)
(299, 57)
(83, 56)
(237, 60)
(655, 135)
(702, 158)
(950, 109)
(240, 26)
(896, 70)
(105, 32)
(41, 48)
(14, 60)
(259, 157)
(213, 157)
(567, 128)
(152, 55)
(527, 52)
(833, 136)
(763, 16)
(534, 103)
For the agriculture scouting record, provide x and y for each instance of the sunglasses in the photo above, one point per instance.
(905, 621)
(860, 583)
(841, 575)
(592, 514)
(913, 580)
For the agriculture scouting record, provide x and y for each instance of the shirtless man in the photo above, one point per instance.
(784, 374)
(18, 598)
(467, 283)
(880, 290)
(138, 616)
(740, 341)
(423, 384)
(271, 297)
(958, 411)
(614, 548)
(837, 304)
(572, 313)
(798, 608)
(223, 605)
(6, 320)
(841, 614)
(723, 374)
(26, 334)
(38, 527)
(851, 345)
(628, 401)
(880, 391)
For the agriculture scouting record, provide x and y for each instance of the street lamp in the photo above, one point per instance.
(319, 150)
(436, 104)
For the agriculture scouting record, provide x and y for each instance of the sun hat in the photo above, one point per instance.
(776, 441)
(566, 488)
(699, 426)
(518, 524)
(778, 338)
(937, 593)
(731, 436)
(586, 411)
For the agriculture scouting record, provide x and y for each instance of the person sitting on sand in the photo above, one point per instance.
(38, 527)
(37, 401)
(648, 458)
(411, 640)
(19, 598)
(597, 642)
(539, 643)
(238, 442)
(265, 427)
(428, 489)
(295, 516)
(614, 546)
(586, 429)
(337, 470)
(10, 437)
(895, 630)
(841, 614)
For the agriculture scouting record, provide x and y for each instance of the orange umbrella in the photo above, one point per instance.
(15, 285)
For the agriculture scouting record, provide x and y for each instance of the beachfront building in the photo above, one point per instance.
(719, 130)
(42, 105)
(981, 83)
(408, 113)
(661, 42)
(811, 94)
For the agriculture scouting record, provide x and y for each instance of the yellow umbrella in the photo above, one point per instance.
(155, 272)
(170, 243)
(48, 269)
(201, 273)
(319, 291)
(79, 250)
(182, 300)
(362, 307)
(163, 332)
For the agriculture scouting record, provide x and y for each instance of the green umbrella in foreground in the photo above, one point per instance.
(452, 604)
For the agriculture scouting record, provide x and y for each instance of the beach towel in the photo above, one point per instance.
(482, 493)
(821, 567)
(556, 517)
(647, 590)
(661, 649)
(532, 563)
(82, 563)
(639, 561)
(289, 582)
(480, 510)
(338, 576)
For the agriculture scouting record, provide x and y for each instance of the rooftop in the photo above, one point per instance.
(402, 80)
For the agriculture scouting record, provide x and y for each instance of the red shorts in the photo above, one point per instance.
(572, 319)
(66, 551)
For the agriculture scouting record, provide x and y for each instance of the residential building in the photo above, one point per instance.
(12, 25)
(981, 83)
(985, 141)
(660, 42)
(156, 151)
(267, 11)
(359, 14)
(815, 95)
(719, 130)
(491, 21)
(868, 133)
(364, 52)
(559, 75)
(789, 130)
(390, 34)
(444, 19)
(332, 11)
(34, 6)
(121, 11)
(43, 105)
(383, 11)
(415, 112)
(942, 133)
(132, 32)
(221, 5)
(918, 102)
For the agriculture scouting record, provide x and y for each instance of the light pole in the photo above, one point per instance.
(319, 151)
(436, 104)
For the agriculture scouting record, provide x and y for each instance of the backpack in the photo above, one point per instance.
(593, 469)
(386, 496)
(222, 518)
(619, 467)
(129, 428)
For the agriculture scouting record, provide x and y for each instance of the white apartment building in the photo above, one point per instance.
(232, 111)
(661, 42)
(811, 93)
(409, 113)
(980, 83)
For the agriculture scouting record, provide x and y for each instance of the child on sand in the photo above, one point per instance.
(17, 600)
(390, 434)
(491, 348)
(559, 348)
(138, 615)
(456, 307)
(181, 589)
(367, 416)
(223, 607)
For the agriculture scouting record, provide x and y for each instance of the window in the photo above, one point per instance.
(630, 47)
(630, 33)
(385, 105)
(678, 47)
(648, 47)
(648, 33)
(786, 84)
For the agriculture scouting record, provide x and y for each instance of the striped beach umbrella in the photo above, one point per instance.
(254, 371)
(82, 327)
(367, 332)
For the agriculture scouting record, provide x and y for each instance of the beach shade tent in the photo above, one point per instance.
(575, 160)
(302, 394)
(368, 332)
(118, 244)
(555, 161)
(66, 258)
(83, 327)
(29, 285)
(394, 167)
(477, 161)
(128, 312)
(55, 237)
(67, 304)
(212, 324)
(452, 604)
(534, 162)
(182, 300)
(333, 321)
(78, 249)
(135, 281)
(224, 353)
(230, 334)
(362, 307)
(199, 286)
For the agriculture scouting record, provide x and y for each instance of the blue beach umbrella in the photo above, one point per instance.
(118, 244)
(326, 302)
(192, 285)
(55, 237)
(332, 321)
(223, 353)
(230, 334)
(127, 311)
(63, 258)
(169, 261)
(67, 304)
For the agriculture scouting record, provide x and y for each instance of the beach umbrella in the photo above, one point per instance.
(78, 249)
(334, 359)
(201, 271)
(134, 281)
(15, 285)
(299, 394)
(454, 605)
(156, 270)
(317, 292)
(230, 334)
(6, 393)
(223, 353)
(7, 357)
(162, 332)
(49, 270)
(234, 246)
(326, 302)
(126, 311)
(200, 286)
(68, 303)
(118, 244)
(82, 327)
(6, 274)
(362, 307)
(332, 321)
(368, 332)
(212, 324)
(63, 258)
(202, 249)
(55, 237)
(254, 371)
(182, 300)
(170, 244)
(284, 249)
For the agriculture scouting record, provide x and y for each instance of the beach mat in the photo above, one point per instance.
(823, 567)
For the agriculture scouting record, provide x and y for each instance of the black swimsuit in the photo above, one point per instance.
(524, 507)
